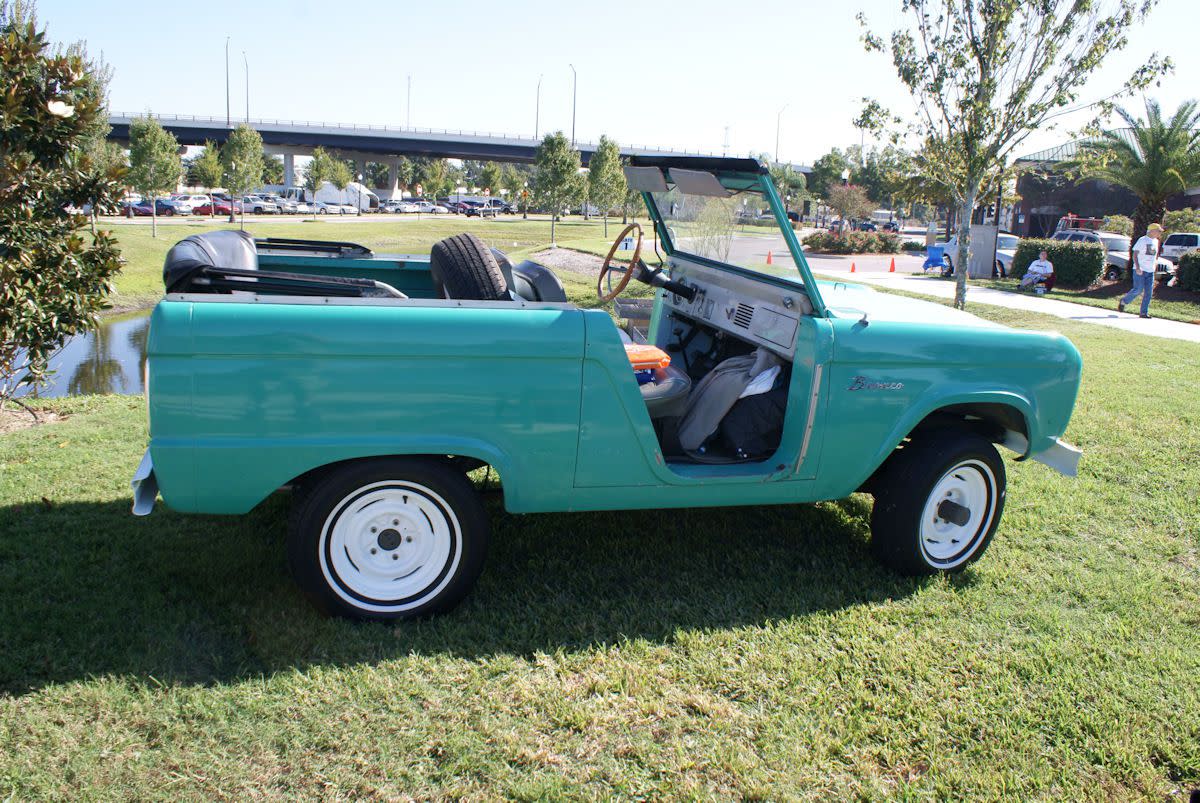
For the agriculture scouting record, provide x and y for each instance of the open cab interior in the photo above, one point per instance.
(739, 387)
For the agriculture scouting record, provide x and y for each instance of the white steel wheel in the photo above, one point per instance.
(957, 513)
(938, 502)
(390, 545)
(388, 539)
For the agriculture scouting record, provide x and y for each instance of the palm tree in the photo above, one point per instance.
(1155, 159)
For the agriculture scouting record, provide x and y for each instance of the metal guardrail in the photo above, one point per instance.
(379, 129)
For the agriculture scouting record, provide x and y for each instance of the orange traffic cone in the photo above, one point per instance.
(852, 267)
(892, 269)
(769, 261)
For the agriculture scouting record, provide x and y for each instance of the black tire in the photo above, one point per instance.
(425, 565)
(907, 533)
(998, 272)
(947, 267)
(1112, 273)
(464, 268)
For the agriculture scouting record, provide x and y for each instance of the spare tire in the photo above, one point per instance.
(464, 268)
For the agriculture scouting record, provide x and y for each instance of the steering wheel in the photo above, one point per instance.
(607, 270)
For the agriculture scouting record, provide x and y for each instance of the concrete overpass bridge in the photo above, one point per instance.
(368, 143)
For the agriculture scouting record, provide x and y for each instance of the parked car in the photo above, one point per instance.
(1116, 251)
(327, 208)
(287, 206)
(260, 205)
(372, 414)
(865, 225)
(431, 208)
(479, 209)
(164, 208)
(1006, 249)
(192, 201)
(217, 206)
(892, 226)
(1179, 243)
(390, 206)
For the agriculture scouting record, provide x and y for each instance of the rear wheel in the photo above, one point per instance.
(938, 502)
(388, 539)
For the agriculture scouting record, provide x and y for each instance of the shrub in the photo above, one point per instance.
(1076, 265)
(1188, 274)
(913, 246)
(852, 242)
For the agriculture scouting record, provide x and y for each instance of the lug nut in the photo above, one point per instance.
(395, 557)
(373, 550)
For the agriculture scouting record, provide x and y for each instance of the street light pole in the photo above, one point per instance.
(778, 119)
(408, 105)
(574, 96)
(247, 63)
(228, 116)
(537, 109)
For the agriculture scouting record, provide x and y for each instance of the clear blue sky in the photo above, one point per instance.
(668, 74)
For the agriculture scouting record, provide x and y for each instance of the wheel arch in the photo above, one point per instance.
(459, 462)
(993, 415)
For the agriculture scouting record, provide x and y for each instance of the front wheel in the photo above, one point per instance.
(938, 502)
(388, 539)
(1112, 273)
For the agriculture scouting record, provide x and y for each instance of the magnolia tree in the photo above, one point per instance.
(985, 75)
(54, 275)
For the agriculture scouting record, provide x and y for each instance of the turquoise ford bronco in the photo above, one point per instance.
(370, 385)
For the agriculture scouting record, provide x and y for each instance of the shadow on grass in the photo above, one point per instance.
(90, 591)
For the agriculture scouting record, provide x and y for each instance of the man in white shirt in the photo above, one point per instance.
(1038, 271)
(1145, 262)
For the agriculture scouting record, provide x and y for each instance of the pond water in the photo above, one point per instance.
(108, 360)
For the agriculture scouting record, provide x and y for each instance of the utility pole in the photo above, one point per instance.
(778, 119)
(247, 63)
(537, 109)
(228, 116)
(725, 145)
(408, 105)
(574, 96)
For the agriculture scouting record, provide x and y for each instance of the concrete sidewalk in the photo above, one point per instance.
(873, 270)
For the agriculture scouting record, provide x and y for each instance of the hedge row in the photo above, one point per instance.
(1076, 265)
(853, 242)
(1188, 274)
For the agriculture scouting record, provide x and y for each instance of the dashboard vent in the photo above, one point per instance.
(742, 315)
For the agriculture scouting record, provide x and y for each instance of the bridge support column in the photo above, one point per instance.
(289, 170)
(394, 178)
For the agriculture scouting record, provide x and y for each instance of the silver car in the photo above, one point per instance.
(1006, 249)
(1116, 251)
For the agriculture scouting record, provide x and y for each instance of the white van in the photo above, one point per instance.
(1176, 245)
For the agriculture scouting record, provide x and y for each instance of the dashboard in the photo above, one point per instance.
(758, 312)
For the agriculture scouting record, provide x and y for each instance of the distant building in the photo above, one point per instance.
(1047, 195)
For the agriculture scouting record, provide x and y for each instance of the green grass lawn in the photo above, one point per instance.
(730, 653)
(1169, 302)
(140, 282)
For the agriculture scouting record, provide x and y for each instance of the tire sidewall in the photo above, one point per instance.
(316, 513)
(905, 489)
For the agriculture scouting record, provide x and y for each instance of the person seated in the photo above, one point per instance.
(1040, 271)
